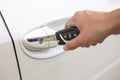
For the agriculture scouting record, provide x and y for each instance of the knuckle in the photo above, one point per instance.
(85, 11)
(84, 44)
(67, 24)
(87, 45)
(100, 41)
(77, 13)
(81, 12)
(94, 44)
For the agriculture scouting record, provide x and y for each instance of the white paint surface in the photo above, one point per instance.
(8, 65)
(80, 64)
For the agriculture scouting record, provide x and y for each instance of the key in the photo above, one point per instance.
(65, 35)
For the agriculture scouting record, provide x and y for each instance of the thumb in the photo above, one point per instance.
(72, 44)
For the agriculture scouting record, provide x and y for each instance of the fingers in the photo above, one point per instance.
(94, 44)
(79, 41)
(72, 44)
(70, 23)
(88, 24)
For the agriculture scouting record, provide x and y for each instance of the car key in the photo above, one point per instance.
(48, 38)
(65, 35)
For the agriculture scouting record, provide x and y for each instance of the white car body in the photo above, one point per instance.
(95, 63)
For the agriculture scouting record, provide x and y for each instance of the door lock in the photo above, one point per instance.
(46, 41)
(45, 38)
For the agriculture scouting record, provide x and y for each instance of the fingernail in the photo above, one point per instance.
(65, 48)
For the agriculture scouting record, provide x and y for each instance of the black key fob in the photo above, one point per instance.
(65, 35)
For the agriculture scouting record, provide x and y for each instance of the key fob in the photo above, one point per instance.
(65, 35)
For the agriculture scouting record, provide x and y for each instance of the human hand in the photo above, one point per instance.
(94, 28)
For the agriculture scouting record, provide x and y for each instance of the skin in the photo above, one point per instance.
(94, 27)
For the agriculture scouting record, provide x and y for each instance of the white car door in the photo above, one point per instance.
(95, 63)
(9, 66)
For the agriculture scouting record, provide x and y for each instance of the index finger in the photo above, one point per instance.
(69, 23)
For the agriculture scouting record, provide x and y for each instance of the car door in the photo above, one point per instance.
(9, 66)
(94, 63)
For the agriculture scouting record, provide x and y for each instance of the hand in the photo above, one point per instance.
(94, 28)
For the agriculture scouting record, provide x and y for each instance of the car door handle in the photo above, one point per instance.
(41, 43)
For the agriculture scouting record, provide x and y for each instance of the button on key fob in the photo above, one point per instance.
(67, 34)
